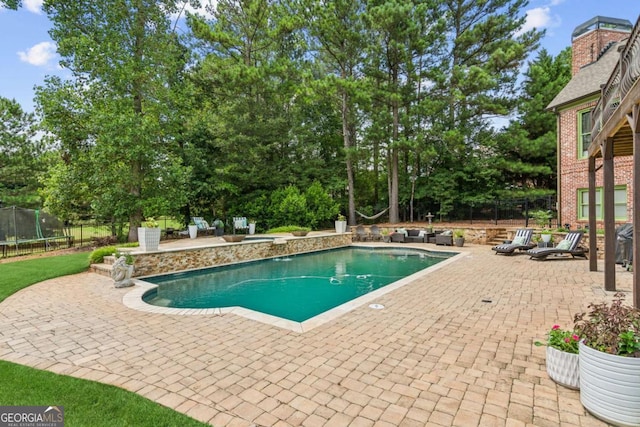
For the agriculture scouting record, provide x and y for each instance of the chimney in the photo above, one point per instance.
(589, 39)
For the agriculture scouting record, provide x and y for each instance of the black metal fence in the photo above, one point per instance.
(506, 212)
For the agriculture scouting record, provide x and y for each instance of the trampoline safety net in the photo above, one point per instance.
(24, 225)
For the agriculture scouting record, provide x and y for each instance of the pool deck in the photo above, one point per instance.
(454, 347)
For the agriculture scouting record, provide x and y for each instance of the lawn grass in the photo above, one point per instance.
(86, 403)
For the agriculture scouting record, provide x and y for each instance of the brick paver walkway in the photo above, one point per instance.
(437, 355)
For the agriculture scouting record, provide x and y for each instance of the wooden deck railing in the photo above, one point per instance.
(622, 79)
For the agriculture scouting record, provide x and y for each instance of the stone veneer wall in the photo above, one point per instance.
(221, 254)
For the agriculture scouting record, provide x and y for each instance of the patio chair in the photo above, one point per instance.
(203, 225)
(521, 242)
(361, 234)
(240, 223)
(445, 238)
(569, 245)
(375, 233)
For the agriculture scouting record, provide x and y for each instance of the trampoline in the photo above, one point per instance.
(24, 228)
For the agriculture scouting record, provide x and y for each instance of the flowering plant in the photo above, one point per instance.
(562, 340)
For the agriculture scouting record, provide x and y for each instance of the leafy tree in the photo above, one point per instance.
(21, 156)
(526, 149)
(116, 119)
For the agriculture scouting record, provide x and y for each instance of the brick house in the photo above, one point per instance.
(596, 46)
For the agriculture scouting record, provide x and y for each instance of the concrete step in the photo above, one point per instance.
(102, 269)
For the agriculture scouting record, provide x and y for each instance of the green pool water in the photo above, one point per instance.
(297, 287)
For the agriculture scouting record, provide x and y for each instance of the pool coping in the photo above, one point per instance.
(133, 299)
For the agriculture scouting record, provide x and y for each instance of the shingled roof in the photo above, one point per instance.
(589, 78)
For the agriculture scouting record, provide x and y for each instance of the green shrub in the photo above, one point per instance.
(97, 256)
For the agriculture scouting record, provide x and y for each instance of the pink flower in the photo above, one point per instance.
(575, 337)
(555, 327)
(567, 340)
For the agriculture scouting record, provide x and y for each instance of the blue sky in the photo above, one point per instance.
(28, 54)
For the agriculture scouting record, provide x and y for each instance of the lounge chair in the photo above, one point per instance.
(521, 241)
(567, 246)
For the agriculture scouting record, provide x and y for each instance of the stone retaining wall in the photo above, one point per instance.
(168, 261)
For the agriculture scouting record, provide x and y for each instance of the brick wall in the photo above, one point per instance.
(586, 47)
(574, 172)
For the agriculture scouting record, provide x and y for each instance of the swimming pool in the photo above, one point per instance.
(296, 287)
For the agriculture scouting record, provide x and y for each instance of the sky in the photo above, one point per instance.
(28, 55)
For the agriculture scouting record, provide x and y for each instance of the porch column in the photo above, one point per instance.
(608, 207)
(593, 235)
(634, 122)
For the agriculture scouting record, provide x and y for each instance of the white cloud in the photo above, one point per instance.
(539, 18)
(34, 6)
(39, 54)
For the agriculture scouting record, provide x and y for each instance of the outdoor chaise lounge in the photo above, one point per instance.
(521, 242)
(567, 246)
(361, 234)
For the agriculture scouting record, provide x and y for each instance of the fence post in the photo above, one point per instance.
(495, 214)
(526, 213)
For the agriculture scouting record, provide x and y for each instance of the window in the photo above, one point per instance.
(620, 203)
(584, 133)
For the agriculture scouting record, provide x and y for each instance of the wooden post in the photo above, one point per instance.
(608, 206)
(593, 235)
(634, 122)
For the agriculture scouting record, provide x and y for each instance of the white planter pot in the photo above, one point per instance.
(341, 226)
(193, 231)
(563, 368)
(148, 238)
(252, 228)
(610, 386)
(546, 238)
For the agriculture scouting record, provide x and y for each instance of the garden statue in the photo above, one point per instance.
(121, 273)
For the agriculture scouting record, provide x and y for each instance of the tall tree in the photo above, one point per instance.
(21, 156)
(338, 28)
(115, 119)
(526, 150)
(480, 63)
(406, 35)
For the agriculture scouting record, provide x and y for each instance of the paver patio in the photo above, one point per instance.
(436, 355)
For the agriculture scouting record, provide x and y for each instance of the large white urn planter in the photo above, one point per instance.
(252, 228)
(341, 226)
(563, 367)
(610, 386)
(149, 238)
(193, 231)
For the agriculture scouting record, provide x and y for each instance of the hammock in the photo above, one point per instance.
(372, 217)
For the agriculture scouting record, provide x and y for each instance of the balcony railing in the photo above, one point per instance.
(623, 77)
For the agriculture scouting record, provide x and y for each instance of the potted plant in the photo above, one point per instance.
(341, 224)
(252, 226)
(386, 236)
(562, 356)
(300, 231)
(545, 235)
(219, 225)
(458, 237)
(149, 235)
(609, 359)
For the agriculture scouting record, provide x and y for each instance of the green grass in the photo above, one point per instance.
(86, 403)
(20, 274)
